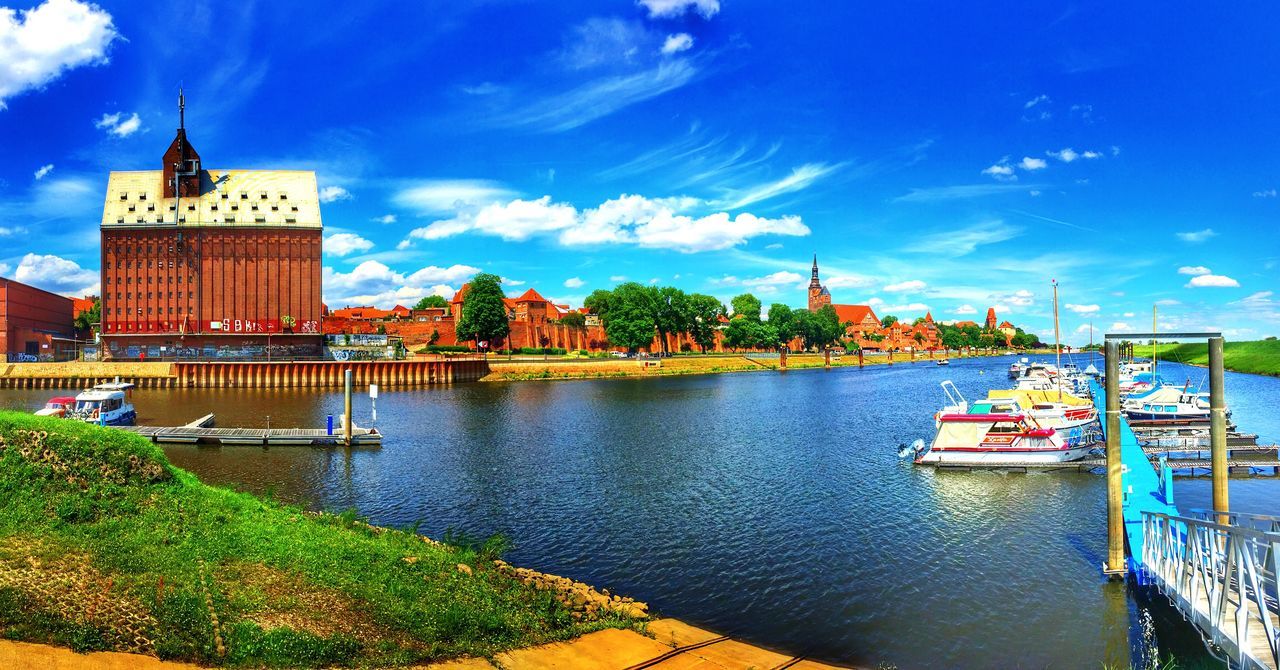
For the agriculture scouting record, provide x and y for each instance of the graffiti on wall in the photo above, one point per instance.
(356, 340)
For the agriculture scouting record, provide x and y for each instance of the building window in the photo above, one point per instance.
(290, 219)
(294, 208)
(151, 207)
(182, 219)
(191, 207)
(275, 208)
(142, 197)
(173, 208)
(284, 196)
(214, 207)
(244, 196)
(119, 219)
(140, 219)
(226, 195)
(235, 208)
(132, 207)
(124, 195)
(230, 219)
(261, 219)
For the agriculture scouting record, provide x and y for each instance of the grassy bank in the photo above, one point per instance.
(1261, 357)
(106, 546)
(521, 370)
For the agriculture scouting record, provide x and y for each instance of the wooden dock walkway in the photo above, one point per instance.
(1237, 465)
(202, 431)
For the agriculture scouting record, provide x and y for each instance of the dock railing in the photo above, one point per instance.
(1222, 578)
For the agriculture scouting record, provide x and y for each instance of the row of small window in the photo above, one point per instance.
(123, 311)
(138, 295)
(151, 250)
(129, 280)
(130, 264)
(191, 207)
(225, 219)
(244, 195)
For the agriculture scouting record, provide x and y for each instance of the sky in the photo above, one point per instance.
(935, 158)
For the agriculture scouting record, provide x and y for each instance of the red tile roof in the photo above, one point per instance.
(531, 296)
(1006, 324)
(855, 314)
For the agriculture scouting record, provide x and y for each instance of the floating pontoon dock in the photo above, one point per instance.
(202, 431)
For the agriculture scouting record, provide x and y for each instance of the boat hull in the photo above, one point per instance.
(1010, 457)
(127, 418)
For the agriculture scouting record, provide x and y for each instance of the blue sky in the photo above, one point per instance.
(934, 158)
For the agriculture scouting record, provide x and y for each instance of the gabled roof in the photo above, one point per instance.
(1006, 324)
(854, 313)
(462, 293)
(531, 296)
(964, 324)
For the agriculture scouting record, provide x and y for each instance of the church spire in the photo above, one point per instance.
(182, 110)
(813, 280)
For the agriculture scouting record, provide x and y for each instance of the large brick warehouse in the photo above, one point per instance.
(200, 263)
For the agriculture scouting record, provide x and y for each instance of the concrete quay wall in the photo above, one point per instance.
(284, 374)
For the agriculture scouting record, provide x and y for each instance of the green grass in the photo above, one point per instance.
(1261, 357)
(104, 510)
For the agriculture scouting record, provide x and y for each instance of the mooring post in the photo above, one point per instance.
(1218, 428)
(782, 358)
(826, 359)
(1115, 566)
(859, 356)
(346, 405)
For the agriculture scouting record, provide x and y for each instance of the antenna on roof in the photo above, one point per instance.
(182, 106)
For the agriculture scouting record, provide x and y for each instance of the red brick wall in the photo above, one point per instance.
(31, 314)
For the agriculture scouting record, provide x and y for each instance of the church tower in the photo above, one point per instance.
(818, 294)
(181, 162)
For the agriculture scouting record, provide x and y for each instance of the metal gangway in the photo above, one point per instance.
(1217, 568)
(1221, 577)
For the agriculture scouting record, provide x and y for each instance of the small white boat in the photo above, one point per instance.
(1069, 414)
(1168, 403)
(106, 405)
(58, 406)
(943, 362)
(999, 439)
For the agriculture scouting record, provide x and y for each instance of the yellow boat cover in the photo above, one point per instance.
(1031, 397)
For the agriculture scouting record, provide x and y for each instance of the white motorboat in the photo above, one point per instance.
(999, 439)
(106, 405)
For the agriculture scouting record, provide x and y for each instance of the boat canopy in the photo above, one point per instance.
(981, 418)
(1035, 396)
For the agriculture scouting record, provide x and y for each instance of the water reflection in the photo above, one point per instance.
(767, 506)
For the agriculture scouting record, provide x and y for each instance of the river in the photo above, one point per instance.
(768, 506)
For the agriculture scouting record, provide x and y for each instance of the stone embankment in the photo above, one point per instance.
(581, 599)
(280, 374)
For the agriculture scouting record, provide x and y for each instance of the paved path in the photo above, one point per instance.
(675, 645)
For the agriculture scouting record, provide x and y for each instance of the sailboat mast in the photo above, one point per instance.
(1057, 338)
(1154, 344)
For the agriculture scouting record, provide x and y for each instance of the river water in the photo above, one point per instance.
(772, 507)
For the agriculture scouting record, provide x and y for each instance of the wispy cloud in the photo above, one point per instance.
(119, 124)
(677, 43)
(1051, 220)
(965, 240)
(43, 171)
(1028, 163)
(800, 178)
(670, 9)
(909, 286)
(1039, 99)
(1194, 270)
(1196, 236)
(439, 196)
(334, 194)
(1265, 193)
(1215, 281)
(960, 192)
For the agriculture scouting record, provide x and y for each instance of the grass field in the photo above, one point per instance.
(554, 368)
(1260, 357)
(106, 546)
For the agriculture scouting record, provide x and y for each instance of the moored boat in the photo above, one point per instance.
(105, 404)
(1000, 439)
(57, 406)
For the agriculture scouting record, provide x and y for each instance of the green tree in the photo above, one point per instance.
(598, 302)
(746, 333)
(669, 313)
(702, 314)
(952, 338)
(91, 317)
(888, 320)
(783, 322)
(818, 329)
(484, 314)
(432, 301)
(574, 320)
(627, 314)
(746, 305)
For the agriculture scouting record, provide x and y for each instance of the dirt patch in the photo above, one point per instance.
(286, 600)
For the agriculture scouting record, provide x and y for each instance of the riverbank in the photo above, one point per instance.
(1260, 357)
(105, 546)
(526, 370)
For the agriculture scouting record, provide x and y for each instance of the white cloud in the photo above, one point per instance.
(617, 278)
(1019, 298)
(1034, 193)
(334, 193)
(1119, 327)
(385, 218)
(1035, 101)
(1082, 309)
(57, 274)
(440, 196)
(1029, 163)
(118, 124)
(9, 231)
(912, 307)
(1168, 302)
(1196, 236)
(4, 268)
(782, 277)
(1266, 193)
(1219, 281)
(964, 309)
(598, 97)
(1066, 155)
(1128, 315)
(627, 219)
(373, 283)
(512, 282)
(961, 192)
(911, 285)
(38, 45)
(875, 302)
(667, 9)
(800, 178)
(1115, 150)
(1092, 154)
(677, 43)
(1194, 270)
(43, 171)
(574, 282)
(341, 244)
(775, 245)
(1001, 171)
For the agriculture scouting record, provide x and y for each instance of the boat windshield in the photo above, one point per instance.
(86, 405)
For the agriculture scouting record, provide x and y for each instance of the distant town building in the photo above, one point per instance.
(819, 296)
(991, 318)
(35, 325)
(210, 262)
